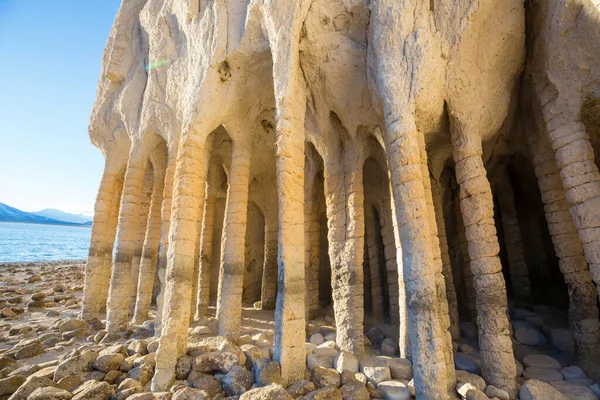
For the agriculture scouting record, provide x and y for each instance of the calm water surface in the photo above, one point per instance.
(33, 242)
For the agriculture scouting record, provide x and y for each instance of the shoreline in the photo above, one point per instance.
(40, 263)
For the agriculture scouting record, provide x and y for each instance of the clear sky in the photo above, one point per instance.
(50, 55)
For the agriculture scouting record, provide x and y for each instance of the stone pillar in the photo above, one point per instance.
(427, 337)
(391, 261)
(150, 252)
(515, 252)
(312, 282)
(308, 206)
(446, 266)
(129, 219)
(583, 311)
(268, 292)
(438, 268)
(206, 241)
(141, 235)
(161, 264)
(579, 175)
(198, 249)
(477, 209)
(311, 242)
(377, 298)
(471, 298)
(97, 271)
(188, 199)
(232, 255)
(403, 336)
(344, 198)
(290, 325)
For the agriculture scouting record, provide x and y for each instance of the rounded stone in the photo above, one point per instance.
(541, 361)
(464, 362)
(317, 338)
(394, 390)
(542, 374)
(529, 336)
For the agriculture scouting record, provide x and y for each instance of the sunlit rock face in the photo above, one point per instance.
(414, 165)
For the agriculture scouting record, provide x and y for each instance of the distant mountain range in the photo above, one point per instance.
(48, 216)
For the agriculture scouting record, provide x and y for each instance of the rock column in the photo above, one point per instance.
(344, 198)
(290, 309)
(583, 311)
(233, 248)
(161, 263)
(142, 230)
(391, 262)
(403, 336)
(446, 266)
(519, 274)
(312, 280)
(579, 174)
(268, 292)
(150, 252)
(438, 267)
(477, 209)
(377, 298)
(120, 282)
(424, 325)
(311, 241)
(206, 241)
(188, 199)
(97, 271)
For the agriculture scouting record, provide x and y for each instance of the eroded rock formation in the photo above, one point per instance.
(417, 164)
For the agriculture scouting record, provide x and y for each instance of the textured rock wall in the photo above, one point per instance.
(405, 112)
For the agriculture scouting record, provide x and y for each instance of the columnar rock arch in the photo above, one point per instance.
(374, 153)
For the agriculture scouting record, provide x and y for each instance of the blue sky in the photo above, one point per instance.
(50, 55)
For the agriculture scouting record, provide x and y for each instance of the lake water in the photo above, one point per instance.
(33, 242)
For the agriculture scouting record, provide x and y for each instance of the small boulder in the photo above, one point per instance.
(190, 394)
(464, 362)
(50, 393)
(541, 361)
(301, 388)
(389, 347)
(108, 362)
(327, 393)
(375, 370)
(93, 390)
(376, 336)
(316, 338)
(31, 350)
(346, 361)
(221, 361)
(542, 374)
(29, 386)
(492, 391)
(473, 379)
(76, 365)
(529, 336)
(270, 392)
(354, 390)
(183, 367)
(199, 380)
(323, 377)
(394, 390)
(572, 372)
(11, 384)
(537, 390)
(574, 391)
(266, 372)
(71, 324)
(237, 381)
